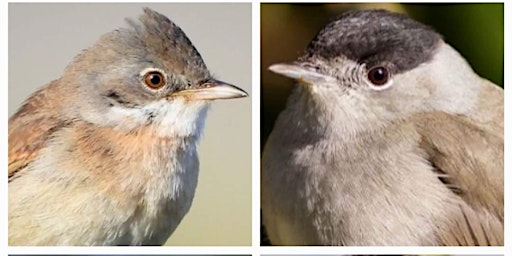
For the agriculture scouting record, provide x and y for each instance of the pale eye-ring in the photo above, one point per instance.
(154, 79)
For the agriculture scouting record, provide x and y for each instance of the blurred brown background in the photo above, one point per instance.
(475, 30)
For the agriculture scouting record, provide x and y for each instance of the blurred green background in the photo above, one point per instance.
(475, 30)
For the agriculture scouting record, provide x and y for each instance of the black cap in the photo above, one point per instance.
(376, 37)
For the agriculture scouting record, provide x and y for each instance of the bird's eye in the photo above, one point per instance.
(154, 79)
(378, 76)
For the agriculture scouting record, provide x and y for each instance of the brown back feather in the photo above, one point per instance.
(32, 126)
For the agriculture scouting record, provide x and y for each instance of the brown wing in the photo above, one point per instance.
(469, 159)
(32, 126)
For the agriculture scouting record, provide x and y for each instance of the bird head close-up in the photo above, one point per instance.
(148, 76)
(378, 66)
(388, 138)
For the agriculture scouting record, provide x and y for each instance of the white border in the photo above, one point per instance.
(255, 249)
(256, 96)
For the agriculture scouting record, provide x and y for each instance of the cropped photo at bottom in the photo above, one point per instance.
(388, 255)
(127, 255)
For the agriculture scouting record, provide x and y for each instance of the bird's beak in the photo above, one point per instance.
(212, 90)
(300, 73)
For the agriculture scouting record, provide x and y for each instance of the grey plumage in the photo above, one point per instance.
(151, 40)
(417, 160)
(161, 36)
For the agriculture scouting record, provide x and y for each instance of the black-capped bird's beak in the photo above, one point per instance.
(212, 90)
(302, 74)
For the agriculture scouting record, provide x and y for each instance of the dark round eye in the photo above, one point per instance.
(154, 79)
(378, 75)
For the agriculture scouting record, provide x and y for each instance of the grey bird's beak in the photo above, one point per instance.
(212, 90)
(299, 73)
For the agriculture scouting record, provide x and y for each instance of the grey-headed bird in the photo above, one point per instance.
(106, 154)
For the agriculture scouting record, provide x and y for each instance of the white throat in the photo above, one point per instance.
(179, 117)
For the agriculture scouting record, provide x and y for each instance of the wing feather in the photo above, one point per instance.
(31, 127)
(469, 158)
